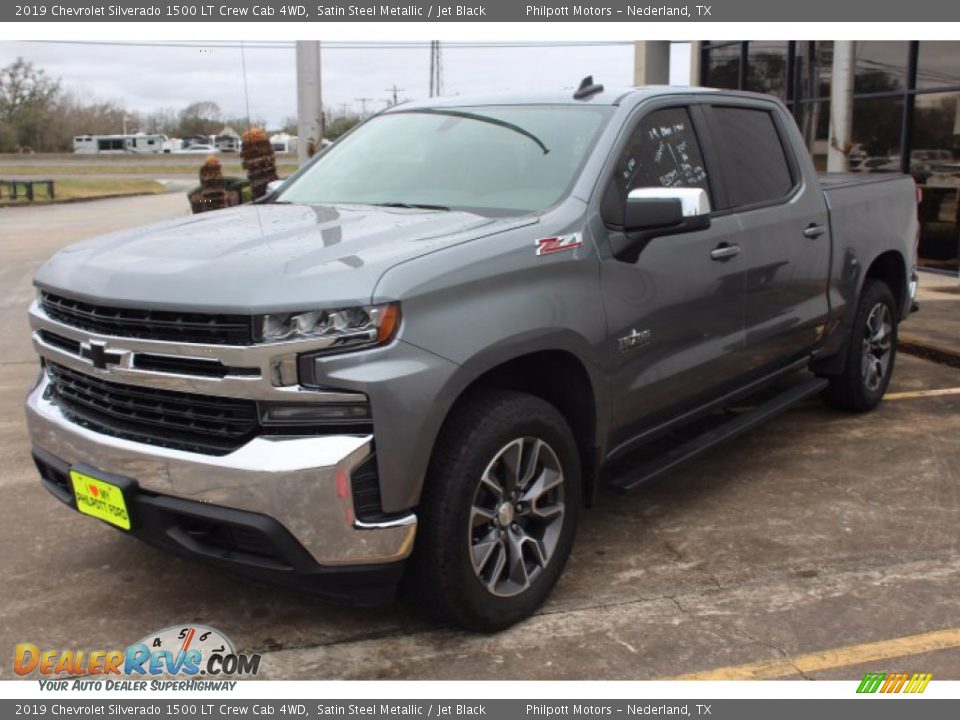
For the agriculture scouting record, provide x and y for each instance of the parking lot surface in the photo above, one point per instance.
(821, 545)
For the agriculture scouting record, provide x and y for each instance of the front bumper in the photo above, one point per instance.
(300, 483)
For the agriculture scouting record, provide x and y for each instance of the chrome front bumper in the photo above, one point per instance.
(301, 482)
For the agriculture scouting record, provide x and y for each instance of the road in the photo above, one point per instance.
(820, 546)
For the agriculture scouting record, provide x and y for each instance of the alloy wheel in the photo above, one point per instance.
(877, 346)
(516, 516)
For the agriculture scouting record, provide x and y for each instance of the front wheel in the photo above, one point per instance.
(871, 352)
(499, 511)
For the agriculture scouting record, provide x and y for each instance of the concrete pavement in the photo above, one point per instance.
(819, 531)
(937, 325)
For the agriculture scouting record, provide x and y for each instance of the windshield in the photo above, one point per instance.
(504, 158)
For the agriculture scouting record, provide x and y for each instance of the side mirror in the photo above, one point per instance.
(274, 185)
(651, 208)
(655, 212)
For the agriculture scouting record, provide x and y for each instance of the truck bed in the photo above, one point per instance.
(834, 180)
(866, 211)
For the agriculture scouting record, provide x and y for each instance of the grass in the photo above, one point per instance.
(86, 189)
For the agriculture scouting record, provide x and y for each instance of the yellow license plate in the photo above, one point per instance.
(100, 499)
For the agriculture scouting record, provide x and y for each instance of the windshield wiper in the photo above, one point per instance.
(486, 119)
(417, 206)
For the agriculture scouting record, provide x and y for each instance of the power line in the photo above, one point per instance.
(363, 105)
(394, 91)
(343, 45)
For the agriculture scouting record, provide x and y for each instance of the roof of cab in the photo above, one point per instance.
(607, 96)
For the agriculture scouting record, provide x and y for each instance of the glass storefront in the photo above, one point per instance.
(906, 115)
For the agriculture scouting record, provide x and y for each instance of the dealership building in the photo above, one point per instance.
(869, 107)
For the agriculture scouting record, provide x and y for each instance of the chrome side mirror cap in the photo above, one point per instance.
(693, 201)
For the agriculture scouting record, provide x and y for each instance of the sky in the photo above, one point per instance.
(146, 78)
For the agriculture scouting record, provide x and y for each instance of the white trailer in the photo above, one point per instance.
(113, 144)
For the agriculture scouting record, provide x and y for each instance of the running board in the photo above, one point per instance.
(644, 472)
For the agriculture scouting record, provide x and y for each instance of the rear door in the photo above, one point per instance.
(784, 229)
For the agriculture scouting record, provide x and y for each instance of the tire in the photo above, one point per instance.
(871, 352)
(468, 540)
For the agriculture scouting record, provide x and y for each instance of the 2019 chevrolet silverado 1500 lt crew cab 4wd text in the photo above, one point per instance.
(427, 350)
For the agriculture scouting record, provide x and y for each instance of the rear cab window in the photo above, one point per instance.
(750, 156)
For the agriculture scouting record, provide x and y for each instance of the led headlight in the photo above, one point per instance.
(343, 328)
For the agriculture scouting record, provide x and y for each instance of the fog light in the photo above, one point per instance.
(314, 413)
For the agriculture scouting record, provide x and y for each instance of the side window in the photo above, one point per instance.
(662, 152)
(750, 155)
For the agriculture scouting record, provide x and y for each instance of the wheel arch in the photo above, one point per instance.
(891, 268)
(560, 376)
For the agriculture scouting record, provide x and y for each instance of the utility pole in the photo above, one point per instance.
(363, 105)
(436, 69)
(309, 99)
(394, 90)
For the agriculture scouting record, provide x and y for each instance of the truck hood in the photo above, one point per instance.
(259, 258)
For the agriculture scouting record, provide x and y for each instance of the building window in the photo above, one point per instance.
(935, 164)
(906, 115)
(722, 67)
(938, 65)
(814, 63)
(877, 129)
(880, 67)
(814, 122)
(767, 68)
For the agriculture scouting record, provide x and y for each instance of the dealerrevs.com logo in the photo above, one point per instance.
(178, 651)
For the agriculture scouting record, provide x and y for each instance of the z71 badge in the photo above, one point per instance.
(547, 246)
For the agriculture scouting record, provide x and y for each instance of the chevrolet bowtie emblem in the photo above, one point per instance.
(96, 352)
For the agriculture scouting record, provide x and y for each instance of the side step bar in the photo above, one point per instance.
(644, 472)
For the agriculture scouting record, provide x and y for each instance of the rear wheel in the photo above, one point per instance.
(871, 352)
(499, 511)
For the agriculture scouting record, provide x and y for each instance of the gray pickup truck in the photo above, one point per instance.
(426, 351)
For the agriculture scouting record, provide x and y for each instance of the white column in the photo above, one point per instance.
(841, 105)
(696, 73)
(651, 62)
(309, 99)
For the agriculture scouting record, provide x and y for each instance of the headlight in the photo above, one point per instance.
(344, 328)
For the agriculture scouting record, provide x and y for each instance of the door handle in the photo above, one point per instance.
(814, 231)
(724, 252)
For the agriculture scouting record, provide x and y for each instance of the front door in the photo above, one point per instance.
(675, 313)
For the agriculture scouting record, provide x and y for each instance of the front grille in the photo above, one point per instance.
(186, 421)
(185, 327)
(158, 363)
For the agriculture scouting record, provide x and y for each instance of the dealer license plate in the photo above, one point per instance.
(100, 499)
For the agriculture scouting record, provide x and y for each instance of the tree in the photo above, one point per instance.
(289, 125)
(200, 118)
(340, 125)
(163, 121)
(27, 99)
(75, 114)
